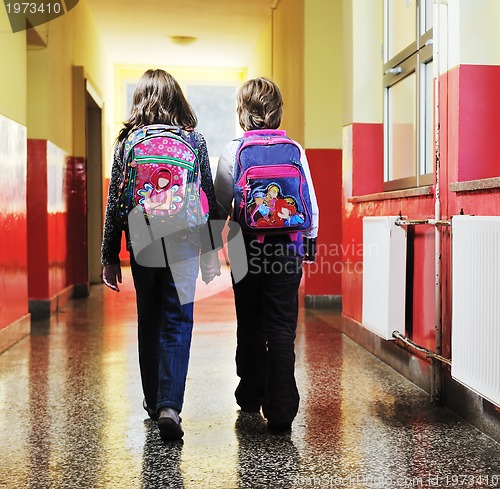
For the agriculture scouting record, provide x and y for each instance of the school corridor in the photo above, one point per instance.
(397, 107)
(72, 417)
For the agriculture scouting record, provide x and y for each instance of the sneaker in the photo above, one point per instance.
(151, 412)
(169, 423)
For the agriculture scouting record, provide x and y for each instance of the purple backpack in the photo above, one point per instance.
(161, 178)
(270, 188)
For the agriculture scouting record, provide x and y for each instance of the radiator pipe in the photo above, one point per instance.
(414, 346)
(436, 357)
(436, 371)
(415, 222)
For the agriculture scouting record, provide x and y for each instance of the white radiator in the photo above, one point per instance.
(384, 276)
(475, 333)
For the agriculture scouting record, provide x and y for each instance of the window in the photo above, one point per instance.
(215, 107)
(408, 94)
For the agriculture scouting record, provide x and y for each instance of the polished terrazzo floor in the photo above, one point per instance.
(71, 414)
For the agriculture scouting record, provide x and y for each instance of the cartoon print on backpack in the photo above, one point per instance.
(270, 208)
(286, 212)
(273, 192)
(257, 207)
(159, 195)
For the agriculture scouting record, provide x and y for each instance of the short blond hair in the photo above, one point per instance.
(260, 105)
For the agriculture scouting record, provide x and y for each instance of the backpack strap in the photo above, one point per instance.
(192, 140)
(160, 128)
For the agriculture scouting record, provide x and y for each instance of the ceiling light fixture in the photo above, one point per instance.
(183, 40)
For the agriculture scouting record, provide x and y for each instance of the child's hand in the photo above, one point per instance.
(210, 266)
(112, 275)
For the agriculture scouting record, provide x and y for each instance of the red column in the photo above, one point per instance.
(38, 252)
(323, 278)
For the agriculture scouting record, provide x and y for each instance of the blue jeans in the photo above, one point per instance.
(165, 325)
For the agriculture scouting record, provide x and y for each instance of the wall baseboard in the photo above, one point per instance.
(43, 308)
(81, 291)
(323, 301)
(14, 332)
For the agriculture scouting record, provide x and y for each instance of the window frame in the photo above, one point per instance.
(411, 59)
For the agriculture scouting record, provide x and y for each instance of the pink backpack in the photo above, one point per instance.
(161, 178)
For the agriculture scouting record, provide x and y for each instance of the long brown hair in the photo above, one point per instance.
(158, 99)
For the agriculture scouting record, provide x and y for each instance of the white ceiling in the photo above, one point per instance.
(138, 32)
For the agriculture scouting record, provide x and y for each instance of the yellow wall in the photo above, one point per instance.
(474, 36)
(363, 63)
(13, 79)
(88, 52)
(49, 76)
(73, 40)
(323, 74)
(301, 49)
(88, 47)
(261, 61)
(288, 63)
(347, 49)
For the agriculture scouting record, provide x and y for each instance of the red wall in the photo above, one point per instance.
(470, 118)
(325, 276)
(13, 223)
(479, 120)
(47, 220)
(368, 153)
(366, 177)
(37, 219)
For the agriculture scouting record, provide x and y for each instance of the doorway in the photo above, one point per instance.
(93, 142)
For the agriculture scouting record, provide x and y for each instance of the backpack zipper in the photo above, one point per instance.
(283, 170)
(145, 159)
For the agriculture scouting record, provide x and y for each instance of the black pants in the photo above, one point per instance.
(266, 310)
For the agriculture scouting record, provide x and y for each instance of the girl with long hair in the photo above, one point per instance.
(165, 322)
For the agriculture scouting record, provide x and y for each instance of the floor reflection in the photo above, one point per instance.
(71, 413)
(161, 461)
(264, 459)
